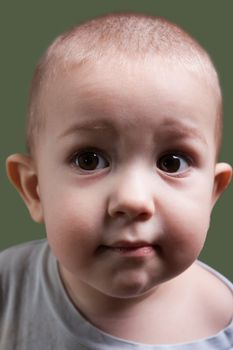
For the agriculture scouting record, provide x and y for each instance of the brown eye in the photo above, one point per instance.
(171, 163)
(90, 160)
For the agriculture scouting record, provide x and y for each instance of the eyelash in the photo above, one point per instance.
(101, 161)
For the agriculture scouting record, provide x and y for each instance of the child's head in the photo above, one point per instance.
(118, 40)
(124, 127)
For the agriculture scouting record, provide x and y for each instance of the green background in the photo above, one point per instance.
(27, 28)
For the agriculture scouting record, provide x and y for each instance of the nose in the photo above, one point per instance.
(131, 197)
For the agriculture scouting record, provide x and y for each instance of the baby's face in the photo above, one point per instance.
(126, 168)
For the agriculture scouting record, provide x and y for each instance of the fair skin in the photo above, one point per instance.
(124, 178)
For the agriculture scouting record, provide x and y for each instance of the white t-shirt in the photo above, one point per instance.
(36, 313)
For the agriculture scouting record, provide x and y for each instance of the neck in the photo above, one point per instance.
(91, 302)
(126, 317)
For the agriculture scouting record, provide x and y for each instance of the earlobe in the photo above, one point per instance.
(22, 174)
(223, 176)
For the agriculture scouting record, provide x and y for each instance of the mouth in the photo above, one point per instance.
(132, 249)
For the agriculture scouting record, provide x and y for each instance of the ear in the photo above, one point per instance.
(223, 175)
(22, 174)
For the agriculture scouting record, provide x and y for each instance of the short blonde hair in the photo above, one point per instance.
(119, 36)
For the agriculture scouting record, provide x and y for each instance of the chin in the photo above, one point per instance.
(130, 289)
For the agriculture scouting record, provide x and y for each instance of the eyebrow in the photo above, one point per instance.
(88, 126)
(181, 130)
(173, 128)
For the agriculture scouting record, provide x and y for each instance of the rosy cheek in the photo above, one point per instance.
(73, 225)
(185, 228)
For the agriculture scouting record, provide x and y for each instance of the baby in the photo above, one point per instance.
(123, 134)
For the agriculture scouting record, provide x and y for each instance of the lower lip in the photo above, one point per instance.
(143, 251)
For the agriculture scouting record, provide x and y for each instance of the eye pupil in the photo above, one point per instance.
(170, 163)
(88, 161)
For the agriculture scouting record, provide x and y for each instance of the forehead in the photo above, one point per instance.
(131, 94)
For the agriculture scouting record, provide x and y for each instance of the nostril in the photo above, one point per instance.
(132, 212)
(117, 213)
(144, 216)
(141, 217)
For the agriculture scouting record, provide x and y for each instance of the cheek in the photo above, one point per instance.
(188, 230)
(186, 223)
(73, 225)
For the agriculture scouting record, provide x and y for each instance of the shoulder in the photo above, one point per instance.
(16, 259)
(215, 284)
(20, 268)
(216, 294)
(24, 296)
(22, 250)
